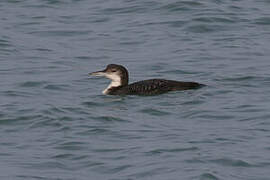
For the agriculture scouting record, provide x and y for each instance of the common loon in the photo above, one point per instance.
(119, 84)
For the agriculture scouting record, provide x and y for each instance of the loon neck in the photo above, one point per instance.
(115, 84)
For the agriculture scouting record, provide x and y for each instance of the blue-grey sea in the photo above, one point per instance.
(55, 123)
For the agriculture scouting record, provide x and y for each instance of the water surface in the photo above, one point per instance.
(55, 123)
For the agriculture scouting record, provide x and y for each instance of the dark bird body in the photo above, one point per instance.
(119, 85)
(153, 87)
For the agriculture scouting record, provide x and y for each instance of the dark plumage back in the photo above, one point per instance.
(154, 87)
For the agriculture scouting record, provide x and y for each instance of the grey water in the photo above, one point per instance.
(55, 123)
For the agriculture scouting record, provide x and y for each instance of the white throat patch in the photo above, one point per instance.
(116, 81)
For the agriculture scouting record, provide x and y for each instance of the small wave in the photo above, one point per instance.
(126, 43)
(208, 176)
(247, 108)
(4, 43)
(172, 23)
(16, 93)
(19, 119)
(109, 119)
(32, 177)
(62, 156)
(53, 110)
(101, 57)
(57, 33)
(181, 6)
(43, 50)
(213, 20)
(32, 84)
(113, 170)
(125, 10)
(232, 162)
(108, 150)
(92, 104)
(70, 146)
(56, 86)
(172, 150)
(262, 21)
(154, 112)
(204, 28)
(45, 4)
(241, 78)
(177, 72)
(47, 165)
(95, 131)
(92, 164)
(120, 168)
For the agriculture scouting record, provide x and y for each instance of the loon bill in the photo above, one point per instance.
(119, 84)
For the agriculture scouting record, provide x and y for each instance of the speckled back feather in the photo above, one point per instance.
(153, 87)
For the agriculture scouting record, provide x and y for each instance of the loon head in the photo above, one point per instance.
(117, 73)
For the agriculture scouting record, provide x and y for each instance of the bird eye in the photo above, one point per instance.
(113, 70)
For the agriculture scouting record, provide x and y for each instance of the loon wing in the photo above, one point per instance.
(156, 86)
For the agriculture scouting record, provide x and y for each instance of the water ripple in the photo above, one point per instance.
(173, 150)
(154, 112)
(57, 87)
(19, 119)
(33, 83)
(262, 21)
(71, 146)
(181, 6)
(109, 119)
(208, 176)
(203, 28)
(59, 33)
(214, 20)
(231, 162)
(124, 10)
